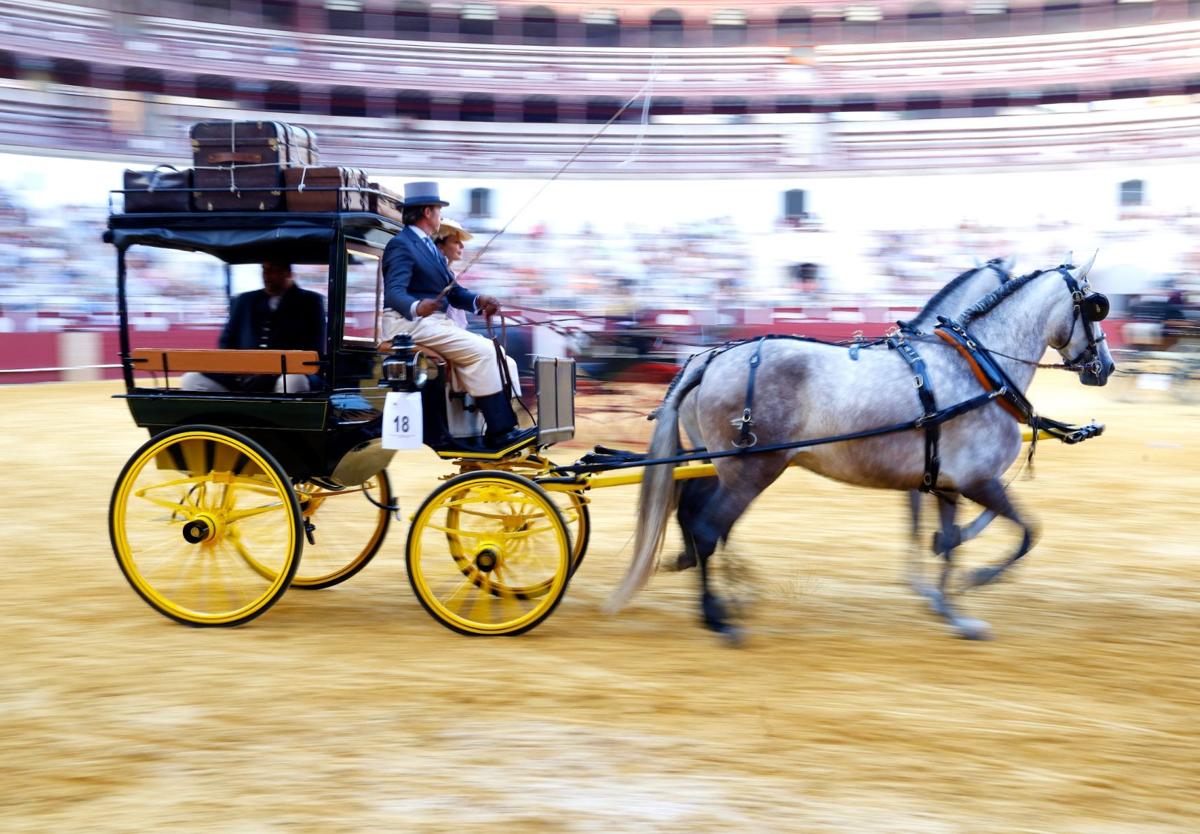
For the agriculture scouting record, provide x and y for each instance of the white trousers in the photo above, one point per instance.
(474, 356)
(192, 381)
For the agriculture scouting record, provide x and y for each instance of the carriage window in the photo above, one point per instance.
(364, 297)
(182, 299)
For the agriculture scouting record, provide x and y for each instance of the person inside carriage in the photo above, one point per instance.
(280, 316)
(419, 291)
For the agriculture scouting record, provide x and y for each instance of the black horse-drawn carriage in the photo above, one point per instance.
(210, 517)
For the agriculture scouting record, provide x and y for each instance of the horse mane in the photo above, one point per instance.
(931, 305)
(990, 301)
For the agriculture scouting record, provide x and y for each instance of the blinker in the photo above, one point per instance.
(1094, 307)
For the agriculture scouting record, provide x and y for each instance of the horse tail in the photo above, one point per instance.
(659, 492)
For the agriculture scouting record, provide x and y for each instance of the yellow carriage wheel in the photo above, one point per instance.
(205, 526)
(573, 507)
(336, 520)
(489, 553)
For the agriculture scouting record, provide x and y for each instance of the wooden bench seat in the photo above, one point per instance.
(160, 360)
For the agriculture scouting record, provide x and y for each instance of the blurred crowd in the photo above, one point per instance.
(56, 273)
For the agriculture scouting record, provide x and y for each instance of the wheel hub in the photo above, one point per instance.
(202, 528)
(487, 559)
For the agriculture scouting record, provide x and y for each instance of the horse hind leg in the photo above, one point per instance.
(705, 530)
(939, 599)
(914, 567)
(994, 498)
(693, 497)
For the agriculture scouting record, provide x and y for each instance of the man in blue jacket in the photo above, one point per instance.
(280, 316)
(418, 287)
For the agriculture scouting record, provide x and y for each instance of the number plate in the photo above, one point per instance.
(402, 427)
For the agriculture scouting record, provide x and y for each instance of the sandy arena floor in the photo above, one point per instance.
(848, 710)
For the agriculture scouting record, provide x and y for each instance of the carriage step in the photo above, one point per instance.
(603, 454)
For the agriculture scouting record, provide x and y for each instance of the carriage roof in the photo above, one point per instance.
(250, 237)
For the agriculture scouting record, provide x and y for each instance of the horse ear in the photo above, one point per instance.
(1009, 263)
(1086, 268)
(1070, 258)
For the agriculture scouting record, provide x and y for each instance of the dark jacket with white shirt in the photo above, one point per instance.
(413, 271)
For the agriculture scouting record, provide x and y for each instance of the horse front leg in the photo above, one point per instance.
(947, 539)
(992, 495)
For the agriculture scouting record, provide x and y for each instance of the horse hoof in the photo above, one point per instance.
(732, 636)
(972, 629)
(983, 576)
(682, 562)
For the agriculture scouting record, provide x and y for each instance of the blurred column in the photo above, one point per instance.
(77, 348)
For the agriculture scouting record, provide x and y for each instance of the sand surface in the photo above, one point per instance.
(849, 709)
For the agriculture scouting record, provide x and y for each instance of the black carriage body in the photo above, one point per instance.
(331, 432)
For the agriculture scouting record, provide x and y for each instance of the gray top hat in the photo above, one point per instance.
(422, 194)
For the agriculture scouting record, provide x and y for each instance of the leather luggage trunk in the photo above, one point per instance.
(165, 189)
(388, 204)
(322, 189)
(239, 164)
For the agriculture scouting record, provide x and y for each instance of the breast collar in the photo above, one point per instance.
(986, 369)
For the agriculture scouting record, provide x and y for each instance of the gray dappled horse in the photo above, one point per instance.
(960, 293)
(809, 390)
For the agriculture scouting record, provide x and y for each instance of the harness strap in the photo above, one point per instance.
(980, 366)
(747, 438)
(933, 460)
(691, 455)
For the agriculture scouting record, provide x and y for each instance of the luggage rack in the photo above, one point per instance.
(376, 197)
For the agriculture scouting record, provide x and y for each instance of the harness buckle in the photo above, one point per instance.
(746, 438)
(918, 382)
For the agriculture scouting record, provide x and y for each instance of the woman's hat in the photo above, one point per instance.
(422, 194)
(452, 227)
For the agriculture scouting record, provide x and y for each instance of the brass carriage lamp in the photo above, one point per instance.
(406, 369)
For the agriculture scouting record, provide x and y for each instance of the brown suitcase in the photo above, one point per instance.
(239, 164)
(165, 189)
(325, 189)
(237, 189)
(387, 203)
(253, 143)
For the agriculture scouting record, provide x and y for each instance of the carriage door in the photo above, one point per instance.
(358, 351)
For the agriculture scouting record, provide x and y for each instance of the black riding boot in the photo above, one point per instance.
(501, 422)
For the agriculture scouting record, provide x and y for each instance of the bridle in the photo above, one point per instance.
(1087, 306)
(1090, 308)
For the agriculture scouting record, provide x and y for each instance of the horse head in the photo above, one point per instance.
(1080, 340)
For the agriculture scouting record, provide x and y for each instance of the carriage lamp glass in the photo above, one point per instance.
(406, 368)
(394, 371)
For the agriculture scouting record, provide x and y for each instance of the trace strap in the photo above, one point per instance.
(933, 460)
